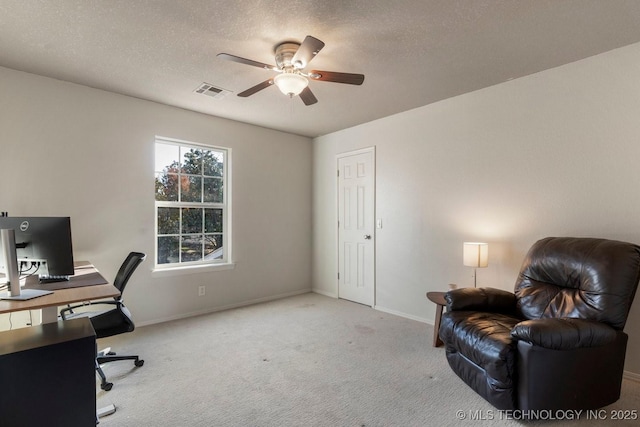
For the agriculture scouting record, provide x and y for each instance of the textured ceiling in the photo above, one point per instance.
(413, 52)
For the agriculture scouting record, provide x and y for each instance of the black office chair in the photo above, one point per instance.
(110, 322)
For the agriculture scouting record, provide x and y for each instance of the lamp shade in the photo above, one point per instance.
(475, 254)
(290, 83)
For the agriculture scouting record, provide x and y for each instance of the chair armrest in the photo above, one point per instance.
(481, 299)
(564, 333)
(69, 309)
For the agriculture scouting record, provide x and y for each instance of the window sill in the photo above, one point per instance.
(192, 269)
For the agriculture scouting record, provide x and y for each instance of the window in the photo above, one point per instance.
(191, 192)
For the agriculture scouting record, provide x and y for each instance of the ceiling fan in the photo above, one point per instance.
(291, 60)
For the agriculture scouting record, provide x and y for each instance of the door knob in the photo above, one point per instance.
(367, 236)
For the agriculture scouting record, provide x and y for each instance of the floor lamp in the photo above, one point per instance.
(476, 255)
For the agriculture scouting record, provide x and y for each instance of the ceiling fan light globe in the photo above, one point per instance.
(291, 84)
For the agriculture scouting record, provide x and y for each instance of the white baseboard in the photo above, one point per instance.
(226, 307)
(325, 293)
(379, 308)
(632, 376)
(405, 315)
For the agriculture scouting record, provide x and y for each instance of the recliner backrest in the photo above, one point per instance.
(126, 270)
(585, 278)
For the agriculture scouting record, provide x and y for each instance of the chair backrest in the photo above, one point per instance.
(586, 278)
(127, 268)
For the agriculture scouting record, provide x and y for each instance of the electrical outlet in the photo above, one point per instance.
(201, 291)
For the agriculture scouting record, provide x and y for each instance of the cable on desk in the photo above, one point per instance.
(37, 267)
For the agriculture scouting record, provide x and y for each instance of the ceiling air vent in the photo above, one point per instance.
(211, 90)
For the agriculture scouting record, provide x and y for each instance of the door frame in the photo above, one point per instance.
(339, 156)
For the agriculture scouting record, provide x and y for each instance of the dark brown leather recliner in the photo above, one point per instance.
(558, 341)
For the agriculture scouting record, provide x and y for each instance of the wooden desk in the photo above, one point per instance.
(84, 290)
(85, 285)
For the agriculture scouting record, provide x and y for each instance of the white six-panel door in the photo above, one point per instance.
(356, 228)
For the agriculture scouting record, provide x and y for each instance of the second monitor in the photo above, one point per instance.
(43, 244)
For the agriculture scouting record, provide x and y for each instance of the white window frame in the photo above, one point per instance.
(225, 206)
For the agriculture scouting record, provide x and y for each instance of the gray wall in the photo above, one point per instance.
(554, 153)
(80, 152)
(551, 154)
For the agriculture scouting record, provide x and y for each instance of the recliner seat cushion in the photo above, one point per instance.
(484, 340)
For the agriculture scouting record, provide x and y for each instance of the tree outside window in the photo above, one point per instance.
(190, 193)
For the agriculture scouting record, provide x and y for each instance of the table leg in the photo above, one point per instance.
(436, 327)
(49, 314)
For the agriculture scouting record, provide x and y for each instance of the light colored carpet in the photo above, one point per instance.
(307, 360)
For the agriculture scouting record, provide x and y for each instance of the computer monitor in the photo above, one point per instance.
(45, 241)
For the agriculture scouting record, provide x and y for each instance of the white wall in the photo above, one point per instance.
(74, 151)
(551, 154)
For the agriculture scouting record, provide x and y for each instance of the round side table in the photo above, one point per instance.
(438, 299)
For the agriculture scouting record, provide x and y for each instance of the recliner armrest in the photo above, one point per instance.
(564, 333)
(481, 299)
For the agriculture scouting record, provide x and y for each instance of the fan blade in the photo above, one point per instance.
(306, 52)
(307, 96)
(240, 60)
(256, 88)
(331, 76)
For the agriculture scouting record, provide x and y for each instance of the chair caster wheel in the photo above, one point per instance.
(106, 386)
(139, 363)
